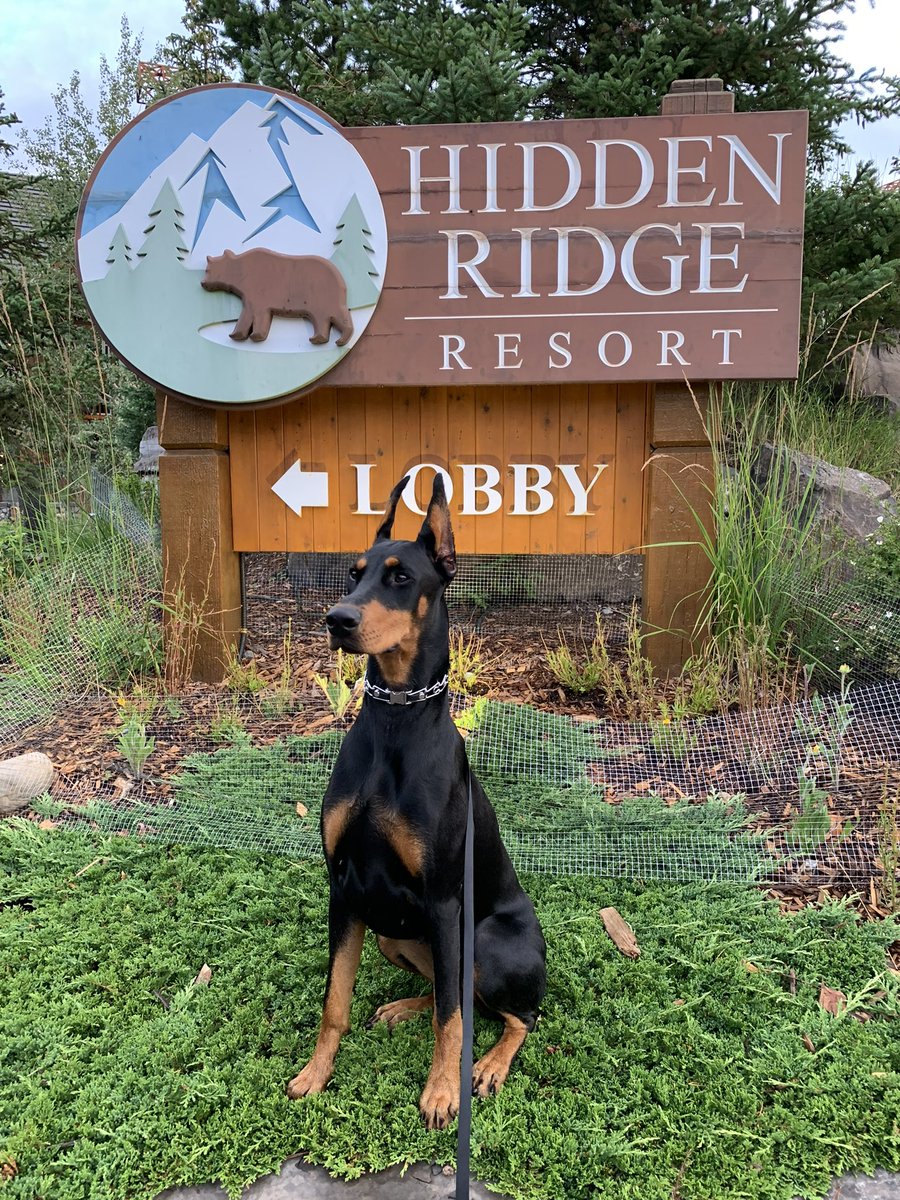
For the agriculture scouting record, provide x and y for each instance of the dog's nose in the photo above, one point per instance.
(343, 619)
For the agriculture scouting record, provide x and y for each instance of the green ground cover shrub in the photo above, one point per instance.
(268, 798)
(685, 1070)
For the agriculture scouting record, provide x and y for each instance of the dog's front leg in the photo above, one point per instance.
(439, 1102)
(345, 937)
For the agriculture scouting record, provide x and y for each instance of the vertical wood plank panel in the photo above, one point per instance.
(489, 407)
(573, 442)
(351, 449)
(271, 464)
(299, 529)
(323, 449)
(602, 425)
(628, 522)
(516, 449)
(461, 440)
(380, 451)
(680, 479)
(543, 529)
(244, 507)
(407, 452)
(434, 444)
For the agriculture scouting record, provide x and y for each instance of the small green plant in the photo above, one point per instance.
(580, 675)
(879, 566)
(134, 745)
(465, 662)
(826, 727)
(671, 735)
(174, 708)
(278, 699)
(337, 692)
(468, 720)
(243, 678)
(629, 685)
(703, 687)
(228, 728)
(139, 704)
(350, 667)
(276, 702)
(812, 824)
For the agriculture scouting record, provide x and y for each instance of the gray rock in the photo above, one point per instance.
(875, 372)
(300, 1181)
(23, 779)
(851, 502)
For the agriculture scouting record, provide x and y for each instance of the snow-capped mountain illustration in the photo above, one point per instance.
(266, 177)
(232, 245)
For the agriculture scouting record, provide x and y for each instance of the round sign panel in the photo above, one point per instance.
(231, 244)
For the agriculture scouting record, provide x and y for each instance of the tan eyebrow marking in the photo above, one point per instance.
(393, 561)
(361, 564)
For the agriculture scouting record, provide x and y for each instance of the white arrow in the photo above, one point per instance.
(302, 489)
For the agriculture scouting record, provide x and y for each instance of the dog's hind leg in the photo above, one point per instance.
(490, 1072)
(409, 956)
(511, 978)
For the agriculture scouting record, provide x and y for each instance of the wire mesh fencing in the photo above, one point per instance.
(804, 795)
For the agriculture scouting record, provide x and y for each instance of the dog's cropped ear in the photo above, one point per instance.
(384, 529)
(436, 533)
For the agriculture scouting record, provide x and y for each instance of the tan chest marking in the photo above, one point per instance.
(334, 822)
(403, 840)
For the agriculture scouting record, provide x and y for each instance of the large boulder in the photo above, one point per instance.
(842, 499)
(875, 372)
(23, 779)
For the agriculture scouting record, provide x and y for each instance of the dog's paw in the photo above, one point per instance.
(401, 1010)
(489, 1074)
(439, 1103)
(313, 1078)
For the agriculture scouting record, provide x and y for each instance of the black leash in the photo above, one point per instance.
(468, 995)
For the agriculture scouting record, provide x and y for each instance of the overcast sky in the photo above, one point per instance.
(43, 41)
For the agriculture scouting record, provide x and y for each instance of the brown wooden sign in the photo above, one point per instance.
(540, 470)
(571, 251)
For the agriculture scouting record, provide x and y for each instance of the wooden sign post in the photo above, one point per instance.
(534, 309)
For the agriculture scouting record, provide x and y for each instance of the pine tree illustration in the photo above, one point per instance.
(164, 236)
(351, 256)
(120, 255)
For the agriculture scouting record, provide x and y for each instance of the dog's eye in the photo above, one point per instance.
(355, 574)
(401, 577)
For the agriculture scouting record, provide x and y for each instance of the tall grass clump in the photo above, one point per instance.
(772, 563)
(79, 564)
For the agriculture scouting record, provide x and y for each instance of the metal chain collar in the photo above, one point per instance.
(411, 697)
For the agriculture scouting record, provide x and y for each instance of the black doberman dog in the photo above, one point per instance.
(393, 827)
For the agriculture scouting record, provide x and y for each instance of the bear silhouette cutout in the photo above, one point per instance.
(287, 285)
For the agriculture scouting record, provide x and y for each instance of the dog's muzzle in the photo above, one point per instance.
(343, 622)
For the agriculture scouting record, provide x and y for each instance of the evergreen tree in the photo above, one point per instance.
(351, 256)
(618, 57)
(387, 61)
(852, 252)
(375, 62)
(120, 255)
(164, 236)
(186, 60)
